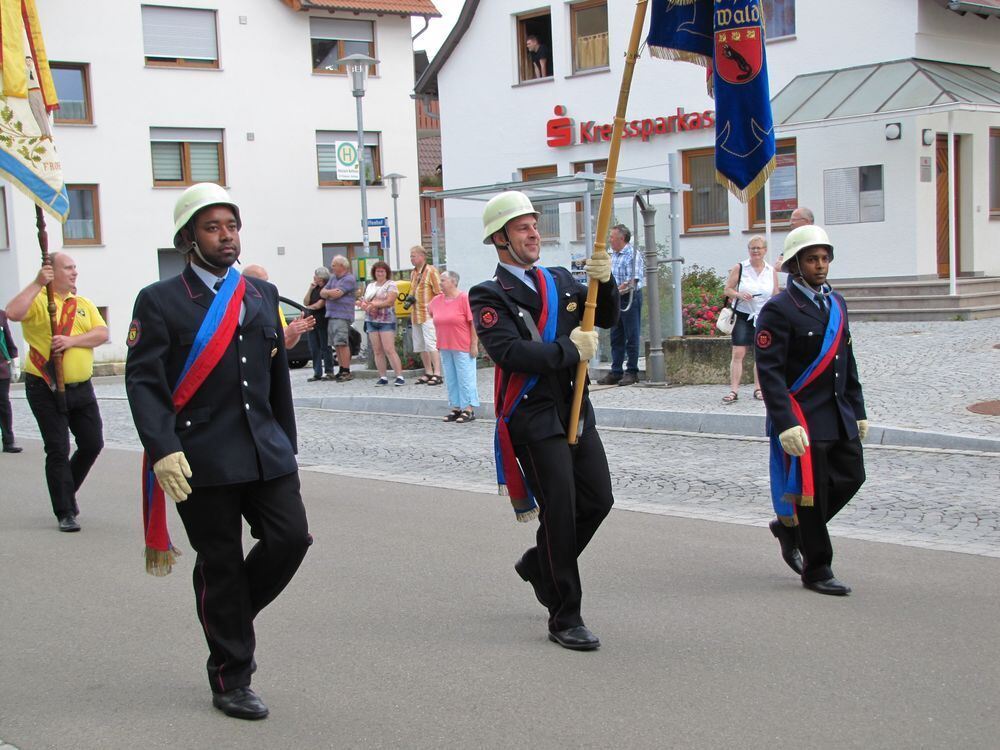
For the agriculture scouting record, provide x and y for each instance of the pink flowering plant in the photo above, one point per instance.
(702, 300)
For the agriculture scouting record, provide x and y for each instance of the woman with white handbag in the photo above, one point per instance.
(750, 284)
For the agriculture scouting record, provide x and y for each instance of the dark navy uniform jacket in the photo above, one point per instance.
(789, 336)
(507, 339)
(240, 425)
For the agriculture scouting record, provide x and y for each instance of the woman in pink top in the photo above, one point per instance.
(459, 347)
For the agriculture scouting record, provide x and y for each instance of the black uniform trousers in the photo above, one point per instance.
(6, 414)
(64, 473)
(838, 473)
(573, 488)
(230, 590)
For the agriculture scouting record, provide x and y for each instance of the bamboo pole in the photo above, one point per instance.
(607, 204)
(55, 357)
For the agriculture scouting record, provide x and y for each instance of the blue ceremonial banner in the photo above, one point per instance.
(727, 37)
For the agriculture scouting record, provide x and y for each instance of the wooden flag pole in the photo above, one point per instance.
(55, 357)
(607, 204)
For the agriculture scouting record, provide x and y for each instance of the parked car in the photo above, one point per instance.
(299, 355)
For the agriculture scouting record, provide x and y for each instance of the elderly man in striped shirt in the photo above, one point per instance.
(629, 270)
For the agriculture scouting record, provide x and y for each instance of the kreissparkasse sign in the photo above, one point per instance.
(564, 131)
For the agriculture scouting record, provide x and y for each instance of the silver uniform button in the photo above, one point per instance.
(245, 383)
(248, 407)
(524, 397)
(241, 337)
(244, 359)
(810, 333)
(187, 423)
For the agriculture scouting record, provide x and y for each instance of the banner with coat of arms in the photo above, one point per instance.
(727, 37)
(28, 157)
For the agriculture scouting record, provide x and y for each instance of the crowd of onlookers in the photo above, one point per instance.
(440, 324)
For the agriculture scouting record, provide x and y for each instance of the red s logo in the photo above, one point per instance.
(559, 129)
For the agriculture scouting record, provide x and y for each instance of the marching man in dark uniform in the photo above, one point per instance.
(211, 399)
(815, 407)
(528, 319)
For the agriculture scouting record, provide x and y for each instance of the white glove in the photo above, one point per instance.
(862, 429)
(598, 267)
(172, 472)
(794, 441)
(15, 369)
(585, 342)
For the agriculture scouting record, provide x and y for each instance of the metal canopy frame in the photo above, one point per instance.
(565, 189)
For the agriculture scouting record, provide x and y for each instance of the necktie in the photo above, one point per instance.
(218, 284)
(821, 301)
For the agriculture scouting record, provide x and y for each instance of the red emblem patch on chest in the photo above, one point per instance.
(488, 317)
(763, 339)
(134, 331)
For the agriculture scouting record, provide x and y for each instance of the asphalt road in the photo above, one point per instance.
(407, 627)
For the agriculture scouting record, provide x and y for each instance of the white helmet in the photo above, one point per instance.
(194, 199)
(802, 237)
(501, 209)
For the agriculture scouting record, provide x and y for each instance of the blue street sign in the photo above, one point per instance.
(383, 222)
(385, 237)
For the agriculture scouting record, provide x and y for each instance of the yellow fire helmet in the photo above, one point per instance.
(501, 209)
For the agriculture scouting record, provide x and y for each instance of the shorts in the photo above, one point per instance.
(424, 337)
(743, 330)
(336, 331)
(373, 327)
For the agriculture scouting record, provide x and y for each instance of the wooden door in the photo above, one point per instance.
(943, 214)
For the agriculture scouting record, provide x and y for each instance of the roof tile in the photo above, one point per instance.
(402, 7)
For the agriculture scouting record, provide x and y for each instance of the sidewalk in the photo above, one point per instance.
(918, 379)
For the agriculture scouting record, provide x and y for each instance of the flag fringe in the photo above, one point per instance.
(668, 53)
(746, 193)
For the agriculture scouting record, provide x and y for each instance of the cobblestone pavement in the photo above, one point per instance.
(927, 498)
(915, 375)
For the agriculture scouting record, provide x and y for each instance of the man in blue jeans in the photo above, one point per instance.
(629, 270)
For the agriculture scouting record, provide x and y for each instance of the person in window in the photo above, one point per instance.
(541, 57)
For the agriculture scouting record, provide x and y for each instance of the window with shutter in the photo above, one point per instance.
(179, 37)
(184, 156)
(83, 227)
(334, 38)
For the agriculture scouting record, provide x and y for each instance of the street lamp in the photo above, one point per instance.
(394, 179)
(357, 65)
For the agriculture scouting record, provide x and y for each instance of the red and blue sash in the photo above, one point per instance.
(210, 344)
(509, 389)
(792, 476)
(64, 327)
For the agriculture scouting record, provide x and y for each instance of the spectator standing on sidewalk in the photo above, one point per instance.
(81, 329)
(750, 284)
(379, 304)
(292, 331)
(425, 285)
(815, 408)
(629, 271)
(339, 296)
(319, 348)
(458, 346)
(8, 372)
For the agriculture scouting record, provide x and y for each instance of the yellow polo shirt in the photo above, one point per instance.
(78, 361)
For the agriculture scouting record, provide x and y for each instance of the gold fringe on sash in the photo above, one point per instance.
(160, 563)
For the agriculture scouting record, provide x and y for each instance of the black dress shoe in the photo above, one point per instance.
(789, 550)
(12, 449)
(241, 703)
(576, 638)
(830, 586)
(629, 378)
(68, 523)
(610, 379)
(521, 568)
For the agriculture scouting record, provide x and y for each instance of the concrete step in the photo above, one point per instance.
(923, 302)
(915, 314)
(932, 287)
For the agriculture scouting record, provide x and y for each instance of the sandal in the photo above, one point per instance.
(466, 415)
(730, 397)
(423, 380)
(758, 395)
(452, 416)
(435, 380)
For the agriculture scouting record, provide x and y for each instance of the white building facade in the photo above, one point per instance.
(868, 166)
(158, 96)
